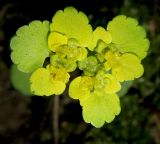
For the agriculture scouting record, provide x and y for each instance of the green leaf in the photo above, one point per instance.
(125, 86)
(73, 24)
(20, 80)
(100, 108)
(128, 36)
(29, 46)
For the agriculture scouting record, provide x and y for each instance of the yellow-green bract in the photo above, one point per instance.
(105, 58)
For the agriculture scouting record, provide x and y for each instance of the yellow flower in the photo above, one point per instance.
(66, 48)
(70, 34)
(106, 82)
(97, 97)
(124, 67)
(49, 81)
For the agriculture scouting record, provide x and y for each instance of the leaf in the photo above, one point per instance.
(124, 67)
(73, 24)
(125, 86)
(20, 80)
(100, 108)
(49, 81)
(29, 46)
(128, 36)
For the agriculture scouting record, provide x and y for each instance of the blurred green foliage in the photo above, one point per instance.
(20, 80)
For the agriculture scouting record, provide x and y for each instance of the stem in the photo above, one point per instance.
(55, 116)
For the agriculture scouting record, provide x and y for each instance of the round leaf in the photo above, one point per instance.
(29, 46)
(100, 108)
(73, 24)
(128, 36)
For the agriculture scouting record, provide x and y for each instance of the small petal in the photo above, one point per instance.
(112, 85)
(100, 34)
(80, 87)
(56, 39)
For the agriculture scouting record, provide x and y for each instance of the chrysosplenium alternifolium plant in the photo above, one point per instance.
(106, 56)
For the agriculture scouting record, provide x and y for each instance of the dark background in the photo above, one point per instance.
(28, 120)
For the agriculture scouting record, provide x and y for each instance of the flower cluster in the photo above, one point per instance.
(106, 57)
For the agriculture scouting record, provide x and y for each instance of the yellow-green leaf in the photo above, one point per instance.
(100, 107)
(29, 46)
(73, 24)
(128, 36)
